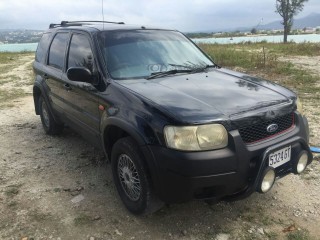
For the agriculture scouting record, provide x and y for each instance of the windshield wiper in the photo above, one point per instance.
(188, 69)
(170, 72)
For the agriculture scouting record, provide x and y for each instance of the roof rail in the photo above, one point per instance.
(78, 23)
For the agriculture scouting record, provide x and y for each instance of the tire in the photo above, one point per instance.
(50, 126)
(132, 179)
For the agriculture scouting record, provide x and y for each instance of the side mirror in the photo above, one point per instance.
(79, 74)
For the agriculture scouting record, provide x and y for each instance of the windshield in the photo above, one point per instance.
(142, 53)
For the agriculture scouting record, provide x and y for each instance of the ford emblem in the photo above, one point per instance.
(272, 128)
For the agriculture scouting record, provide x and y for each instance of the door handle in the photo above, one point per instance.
(67, 87)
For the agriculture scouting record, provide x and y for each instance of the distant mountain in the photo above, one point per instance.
(312, 20)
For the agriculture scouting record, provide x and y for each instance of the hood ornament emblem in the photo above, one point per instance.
(272, 128)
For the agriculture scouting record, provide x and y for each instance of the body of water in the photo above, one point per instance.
(313, 38)
(18, 47)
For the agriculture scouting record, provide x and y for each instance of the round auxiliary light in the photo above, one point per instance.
(302, 162)
(267, 180)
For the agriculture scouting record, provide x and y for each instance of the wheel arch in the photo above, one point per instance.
(115, 129)
(38, 91)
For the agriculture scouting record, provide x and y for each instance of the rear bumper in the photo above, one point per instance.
(232, 172)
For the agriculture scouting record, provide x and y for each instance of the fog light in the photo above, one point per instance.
(267, 180)
(302, 162)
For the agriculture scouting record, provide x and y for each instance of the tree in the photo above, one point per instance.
(254, 31)
(287, 9)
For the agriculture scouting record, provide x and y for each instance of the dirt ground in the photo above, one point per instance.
(61, 188)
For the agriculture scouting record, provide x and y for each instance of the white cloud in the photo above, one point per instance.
(185, 15)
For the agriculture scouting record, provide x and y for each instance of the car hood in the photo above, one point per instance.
(208, 96)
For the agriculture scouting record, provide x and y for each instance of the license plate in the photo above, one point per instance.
(280, 157)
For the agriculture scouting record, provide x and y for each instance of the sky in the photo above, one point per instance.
(184, 15)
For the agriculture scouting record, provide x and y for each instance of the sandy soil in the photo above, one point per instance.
(61, 188)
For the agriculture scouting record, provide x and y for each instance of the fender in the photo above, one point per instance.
(43, 93)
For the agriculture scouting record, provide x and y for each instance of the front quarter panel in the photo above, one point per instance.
(132, 114)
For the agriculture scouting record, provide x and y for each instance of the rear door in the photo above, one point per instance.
(54, 70)
(81, 104)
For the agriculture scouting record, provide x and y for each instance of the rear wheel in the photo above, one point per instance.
(50, 126)
(132, 179)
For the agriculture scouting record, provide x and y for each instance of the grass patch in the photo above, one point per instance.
(296, 78)
(35, 215)
(30, 74)
(9, 61)
(12, 58)
(12, 190)
(272, 235)
(292, 49)
(6, 68)
(82, 219)
(10, 78)
(15, 80)
(12, 204)
(256, 216)
(57, 190)
(6, 57)
(4, 81)
(295, 49)
(299, 235)
(237, 56)
(6, 95)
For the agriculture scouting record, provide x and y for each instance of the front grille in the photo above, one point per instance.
(258, 132)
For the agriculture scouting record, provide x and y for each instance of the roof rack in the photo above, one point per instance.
(78, 23)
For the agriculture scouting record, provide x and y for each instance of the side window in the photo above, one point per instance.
(42, 47)
(80, 53)
(57, 50)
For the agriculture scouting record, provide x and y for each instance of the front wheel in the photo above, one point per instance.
(50, 126)
(132, 179)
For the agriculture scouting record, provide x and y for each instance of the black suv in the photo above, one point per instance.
(174, 125)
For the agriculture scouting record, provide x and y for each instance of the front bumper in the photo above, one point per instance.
(229, 173)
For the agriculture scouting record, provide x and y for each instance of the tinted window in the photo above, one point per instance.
(42, 47)
(80, 54)
(57, 50)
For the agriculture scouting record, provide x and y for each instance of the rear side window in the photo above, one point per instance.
(57, 50)
(80, 53)
(42, 47)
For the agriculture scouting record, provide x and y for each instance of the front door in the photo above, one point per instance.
(81, 104)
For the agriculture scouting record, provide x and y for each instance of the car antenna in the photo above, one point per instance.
(102, 15)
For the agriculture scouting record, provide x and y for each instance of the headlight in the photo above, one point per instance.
(196, 138)
(299, 106)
